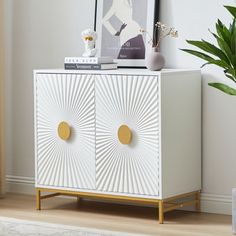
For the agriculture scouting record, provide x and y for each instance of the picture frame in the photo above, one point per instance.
(119, 25)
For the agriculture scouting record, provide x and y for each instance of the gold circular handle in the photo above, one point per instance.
(64, 130)
(124, 134)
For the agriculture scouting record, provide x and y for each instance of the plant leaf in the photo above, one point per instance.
(232, 26)
(230, 77)
(209, 59)
(199, 54)
(224, 88)
(210, 48)
(233, 42)
(219, 63)
(232, 10)
(225, 48)
(230, 71)
(223, 32)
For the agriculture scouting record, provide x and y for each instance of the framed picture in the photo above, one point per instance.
(119, 25)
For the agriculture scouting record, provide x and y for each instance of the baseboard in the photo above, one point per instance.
(20, 184)
(214, 203)
(210, 203)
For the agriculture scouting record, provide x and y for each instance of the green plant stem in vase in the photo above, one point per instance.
(222, 55)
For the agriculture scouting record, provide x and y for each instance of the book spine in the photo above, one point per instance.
(82, 60)
(78, 66)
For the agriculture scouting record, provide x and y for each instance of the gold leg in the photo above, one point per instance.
(161, 212)
(38, 199)
(198, 203)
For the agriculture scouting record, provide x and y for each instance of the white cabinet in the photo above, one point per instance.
(132, 101)
(65, 163)
(122, 134)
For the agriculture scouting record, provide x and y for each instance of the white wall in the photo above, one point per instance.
(40, 33)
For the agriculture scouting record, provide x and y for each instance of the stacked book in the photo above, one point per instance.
(89, 63)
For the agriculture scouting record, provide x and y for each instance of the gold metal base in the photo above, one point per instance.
(164, 205)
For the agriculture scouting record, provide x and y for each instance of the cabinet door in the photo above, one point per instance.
(127, 134)
(65, 130)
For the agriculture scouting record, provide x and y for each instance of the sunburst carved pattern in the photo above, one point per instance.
(132, 101)
(70, 98)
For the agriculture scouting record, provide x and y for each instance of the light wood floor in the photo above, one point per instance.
(108, 216)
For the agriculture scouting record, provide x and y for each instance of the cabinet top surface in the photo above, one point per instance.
(133, 71)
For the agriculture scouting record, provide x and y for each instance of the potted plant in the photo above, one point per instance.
(222, 55)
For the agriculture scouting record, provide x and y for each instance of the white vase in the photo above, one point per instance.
(155, 60)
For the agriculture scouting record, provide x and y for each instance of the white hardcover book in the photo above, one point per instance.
(88, 60)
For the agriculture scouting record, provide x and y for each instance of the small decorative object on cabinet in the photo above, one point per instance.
(125, 135)
(89, 38)
(154, 59)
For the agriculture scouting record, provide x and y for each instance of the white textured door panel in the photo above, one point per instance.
(69, 98)
(133, 101)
